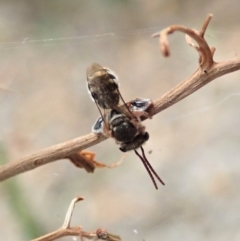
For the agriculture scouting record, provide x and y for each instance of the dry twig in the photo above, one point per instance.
(67, 230)
(208, 70)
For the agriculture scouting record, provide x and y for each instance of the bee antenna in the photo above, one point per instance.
(145, 163)
(150, 167)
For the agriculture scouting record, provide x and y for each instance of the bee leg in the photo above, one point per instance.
(141, 113)
(107, 132)
(138, 124)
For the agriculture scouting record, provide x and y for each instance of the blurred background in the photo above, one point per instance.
(46, 47)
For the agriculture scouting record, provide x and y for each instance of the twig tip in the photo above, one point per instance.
(79, 198)
(165, 49)
(155, 35)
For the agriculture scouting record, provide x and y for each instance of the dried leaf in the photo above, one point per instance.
(85, 159)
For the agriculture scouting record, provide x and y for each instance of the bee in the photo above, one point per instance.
(103, 87)
(122, 121)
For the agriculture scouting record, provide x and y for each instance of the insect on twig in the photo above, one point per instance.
(121, 121)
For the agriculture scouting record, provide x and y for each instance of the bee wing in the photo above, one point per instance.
(123, 108)
(102, 124)
(98, 126)
(118, 102)
(140, 107)
(140, 104)
(96, 84)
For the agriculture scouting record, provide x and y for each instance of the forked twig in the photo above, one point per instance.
(208, 70)
(206, 56)
(67, 230)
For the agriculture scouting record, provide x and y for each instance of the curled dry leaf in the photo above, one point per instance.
(205, 53)
(85, 159)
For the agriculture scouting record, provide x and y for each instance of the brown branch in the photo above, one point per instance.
(67, 230)
(48, 155)
(208, 70)
(193, 83)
